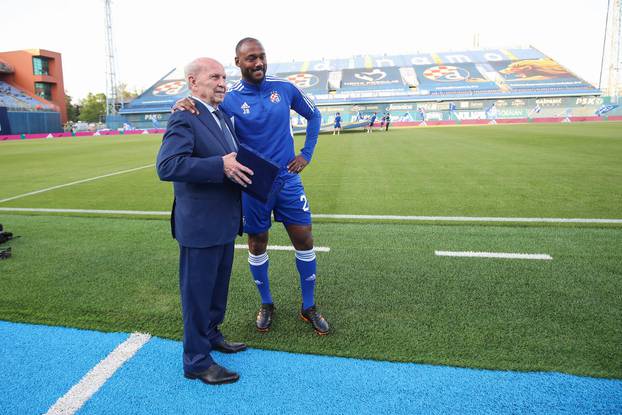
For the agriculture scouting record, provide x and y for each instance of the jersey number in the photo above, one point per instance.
(305, 204)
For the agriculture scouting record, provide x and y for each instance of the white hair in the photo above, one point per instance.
(199, 65)
(193, 68)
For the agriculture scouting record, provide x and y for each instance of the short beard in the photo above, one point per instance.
(254, 80)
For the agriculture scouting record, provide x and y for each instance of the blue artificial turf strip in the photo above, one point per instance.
(285, 383)
(39, 364)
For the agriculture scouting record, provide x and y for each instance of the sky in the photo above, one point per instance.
(151, 37)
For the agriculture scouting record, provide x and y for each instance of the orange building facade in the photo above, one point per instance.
(39, 73)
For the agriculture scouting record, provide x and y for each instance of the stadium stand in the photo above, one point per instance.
(16, 100)
(522, 82)
(32, 97)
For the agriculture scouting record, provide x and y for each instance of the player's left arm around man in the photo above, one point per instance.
(305, 107)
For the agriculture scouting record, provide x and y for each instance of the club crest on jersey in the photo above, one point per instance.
(275, 97)
(246, 109)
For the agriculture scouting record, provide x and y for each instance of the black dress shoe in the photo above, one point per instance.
(319, 323)
(228, 347)
(264, 317)
(214, 375)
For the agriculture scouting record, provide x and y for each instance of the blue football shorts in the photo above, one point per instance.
(289, 204)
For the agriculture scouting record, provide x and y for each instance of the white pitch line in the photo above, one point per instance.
(98, 211)
(471, 254)
(285, 248)
(76, 182)
(467, 218)
(338, 216)
(82, 391)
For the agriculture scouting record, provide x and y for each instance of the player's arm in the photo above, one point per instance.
(305, 107)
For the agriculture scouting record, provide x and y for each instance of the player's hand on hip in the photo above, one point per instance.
(297, 164)
(235, 171)
(185, 104)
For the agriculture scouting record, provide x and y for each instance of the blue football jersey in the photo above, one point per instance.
(261, 114)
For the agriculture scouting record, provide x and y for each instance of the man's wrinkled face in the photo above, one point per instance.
(251, 59)
(209, 84)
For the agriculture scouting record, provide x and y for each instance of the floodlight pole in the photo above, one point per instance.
(111, 76)
(611, 63)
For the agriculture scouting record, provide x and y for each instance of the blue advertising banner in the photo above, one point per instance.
(161, 95)
(5, 126)
(373, 78)
(312, 81)
(537, 73)
(454, 77)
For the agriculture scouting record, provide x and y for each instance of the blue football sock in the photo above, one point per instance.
(307, 265)
(259, 270)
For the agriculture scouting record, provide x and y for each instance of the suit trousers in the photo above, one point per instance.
(204, 275)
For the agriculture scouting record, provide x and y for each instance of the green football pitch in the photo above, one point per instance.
(386, 292)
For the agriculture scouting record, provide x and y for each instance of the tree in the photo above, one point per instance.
(72, 110)
(124, 94)
(93, 108)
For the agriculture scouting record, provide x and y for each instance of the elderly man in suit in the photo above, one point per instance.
(198, 155)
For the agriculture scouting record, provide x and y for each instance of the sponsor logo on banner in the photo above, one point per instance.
(605, 109)
(304, 80)
(549, 101)
(395, 107)
(275, 97)
(170, 88)
(589, 101)
(446, 73)
(373, 76)
(534, 70)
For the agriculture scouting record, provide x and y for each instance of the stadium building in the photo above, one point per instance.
(444, 87)
(32, 94)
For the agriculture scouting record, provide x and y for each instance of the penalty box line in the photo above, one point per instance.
(90, 179)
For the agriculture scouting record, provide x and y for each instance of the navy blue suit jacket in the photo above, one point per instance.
(207, 210)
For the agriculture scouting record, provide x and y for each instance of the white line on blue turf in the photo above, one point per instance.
(82, 391)
(470, 254)
(76, 182)
(337, 216)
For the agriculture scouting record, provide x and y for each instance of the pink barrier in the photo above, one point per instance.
(508, 121)
(396, 123)
(80, 134)
(473, 122)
